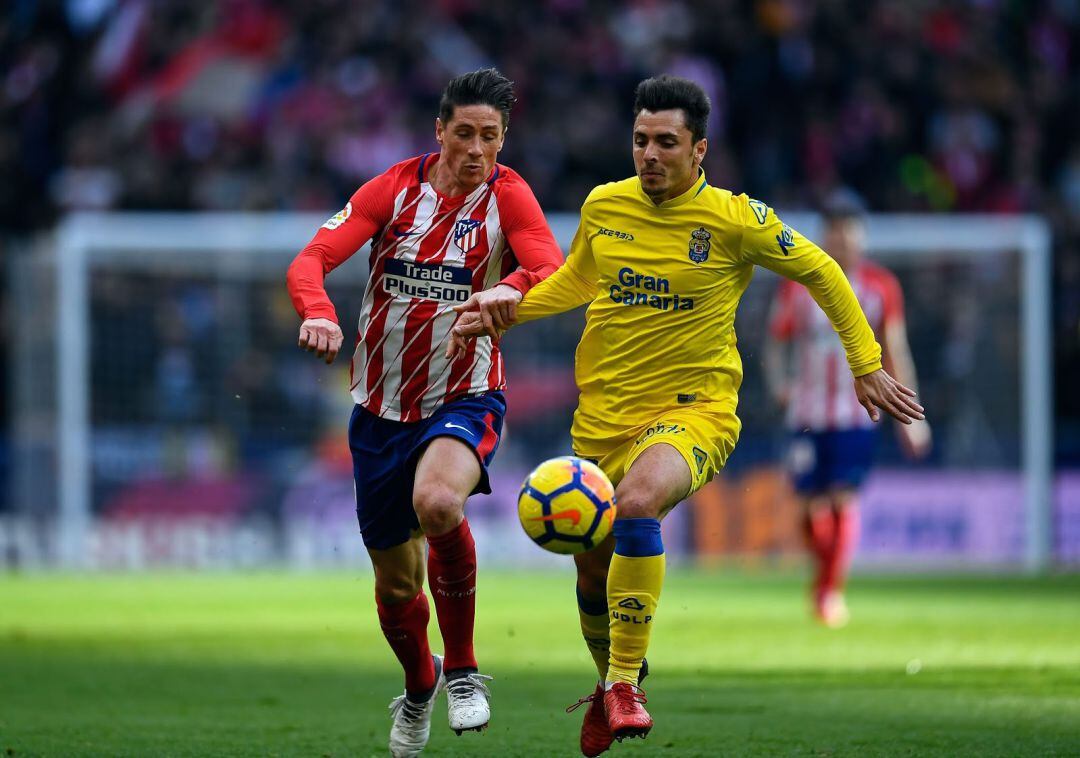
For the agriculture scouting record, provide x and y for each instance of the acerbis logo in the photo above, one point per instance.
(631, 604)
(761, 211)
(701, 457)
(604, 231)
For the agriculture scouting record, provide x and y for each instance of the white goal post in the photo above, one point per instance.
(229, 244)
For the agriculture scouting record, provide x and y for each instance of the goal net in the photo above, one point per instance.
(164, 415)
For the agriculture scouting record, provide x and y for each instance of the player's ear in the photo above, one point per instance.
(700, 148)
(438, 130)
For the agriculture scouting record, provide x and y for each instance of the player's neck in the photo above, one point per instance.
(445, 183)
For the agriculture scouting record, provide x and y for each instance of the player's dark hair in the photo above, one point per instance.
(484, 87)
(843, 205)
(665, 92)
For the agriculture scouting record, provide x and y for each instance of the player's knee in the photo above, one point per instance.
(439, 509)
(637, 504)
(396, 587)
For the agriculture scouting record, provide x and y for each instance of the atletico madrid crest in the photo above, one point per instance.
(467, 234)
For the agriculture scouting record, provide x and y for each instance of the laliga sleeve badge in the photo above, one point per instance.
(339, 218)
(700, 245)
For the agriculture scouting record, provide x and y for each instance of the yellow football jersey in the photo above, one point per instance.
(662, 283)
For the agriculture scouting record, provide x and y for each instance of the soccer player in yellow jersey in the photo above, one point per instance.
(662, 260)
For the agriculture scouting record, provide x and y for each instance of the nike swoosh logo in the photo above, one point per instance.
(440, 580)
(458, 426)
(403, 234)
(574, 516)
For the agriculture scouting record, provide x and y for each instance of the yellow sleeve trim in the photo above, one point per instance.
(866, 368)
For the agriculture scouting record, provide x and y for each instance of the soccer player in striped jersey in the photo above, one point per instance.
(662, 260)
(832, 443)
(444, 227)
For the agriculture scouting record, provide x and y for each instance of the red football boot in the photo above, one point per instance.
(596, 735)
(626, 714)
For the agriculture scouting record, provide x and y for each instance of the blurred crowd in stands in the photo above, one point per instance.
(926, 105)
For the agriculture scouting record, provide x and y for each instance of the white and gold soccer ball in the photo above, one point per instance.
(567, 505)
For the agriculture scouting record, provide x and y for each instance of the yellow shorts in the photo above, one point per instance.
(704, 435)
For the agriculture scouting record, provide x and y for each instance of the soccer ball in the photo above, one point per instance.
(567, 505)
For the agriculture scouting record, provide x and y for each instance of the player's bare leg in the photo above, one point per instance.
(446, 474)
(657, 480)
(403, 617)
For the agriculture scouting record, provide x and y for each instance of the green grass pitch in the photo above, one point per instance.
(294, 665)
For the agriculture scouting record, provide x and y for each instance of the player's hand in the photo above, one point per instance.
(879, 390)
(915, 439)
(497, 307)
(322, 337)
(469, 326)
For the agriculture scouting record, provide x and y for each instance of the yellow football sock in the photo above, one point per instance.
(634, 581)
(594, 628)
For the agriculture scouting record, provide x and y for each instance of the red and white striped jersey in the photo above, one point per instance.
(429, 253)
(822, 394)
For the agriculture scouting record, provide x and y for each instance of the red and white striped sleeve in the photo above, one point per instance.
(892, 297)
(531, 242)
(782, 321)
(368, 210)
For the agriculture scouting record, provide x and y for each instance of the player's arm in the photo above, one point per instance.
(896, 357)
(769, 242)
(573, 284)
(334, 243)
(534, 248)
(781, 331)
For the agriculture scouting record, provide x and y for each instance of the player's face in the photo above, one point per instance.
(844, 240)
(666, 157)
(471, 140)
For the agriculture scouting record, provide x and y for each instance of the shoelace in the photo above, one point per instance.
(581, 702)
(468, 685)
(411, 712)
(626, 704)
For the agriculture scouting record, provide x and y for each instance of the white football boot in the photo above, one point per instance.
(412, 721)
(467, 703)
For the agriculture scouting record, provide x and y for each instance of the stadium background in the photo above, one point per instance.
(211, 437)
(278, 106)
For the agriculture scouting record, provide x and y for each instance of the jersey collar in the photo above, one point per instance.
(686, 197)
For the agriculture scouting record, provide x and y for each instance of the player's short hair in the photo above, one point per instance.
(843, 205)
(484, 87)
(666, 92)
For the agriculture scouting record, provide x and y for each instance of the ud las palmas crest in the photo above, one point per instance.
(699, 245)
(467, 233)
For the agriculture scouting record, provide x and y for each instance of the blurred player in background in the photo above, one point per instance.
(442, 227)
(662, 260)
(832, 443)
